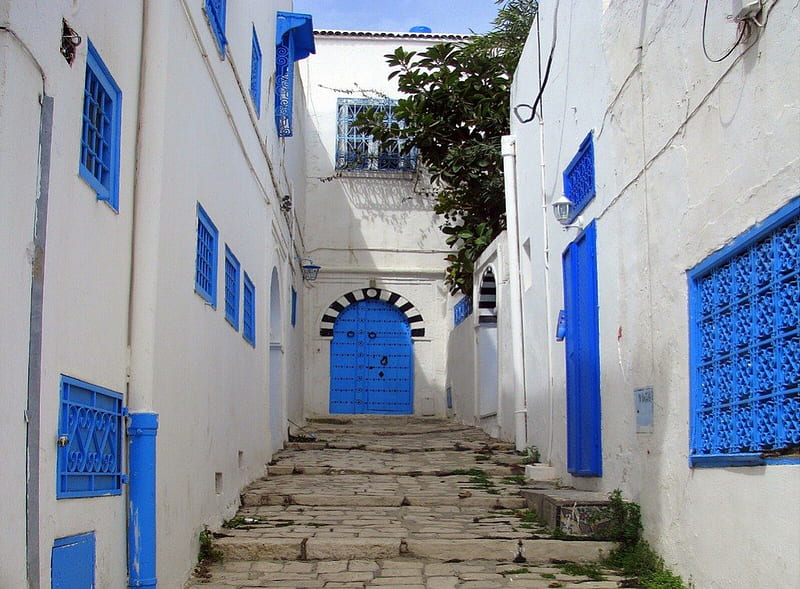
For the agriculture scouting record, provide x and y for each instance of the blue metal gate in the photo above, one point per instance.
(584, 442)
(372, 360)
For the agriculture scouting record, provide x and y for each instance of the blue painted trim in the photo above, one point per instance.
(142, 432)
(216, 11)
(232, 282)
(205, 276)
(249, 311)
(255, 73)
(104, 182)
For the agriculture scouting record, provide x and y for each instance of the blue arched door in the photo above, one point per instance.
(372, 360)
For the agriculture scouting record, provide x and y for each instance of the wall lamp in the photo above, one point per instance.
(309, 268)
(562, 210)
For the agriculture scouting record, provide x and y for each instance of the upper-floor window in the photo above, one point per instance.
(358, 150)
(255, 73)
(232, 271)
(294, 40)
(100, 132)
(249, 311)
(215, 11)
(745, 346)
(205, 275)
(579, 179)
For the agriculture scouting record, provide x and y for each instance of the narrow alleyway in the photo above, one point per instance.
(394, 502)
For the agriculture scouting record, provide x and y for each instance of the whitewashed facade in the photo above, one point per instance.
(688, 157)
(372, 231)
(107, 296)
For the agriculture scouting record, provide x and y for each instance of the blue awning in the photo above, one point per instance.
(301, 28)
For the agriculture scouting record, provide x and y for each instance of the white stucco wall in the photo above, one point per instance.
(688, 155)
(366, 226)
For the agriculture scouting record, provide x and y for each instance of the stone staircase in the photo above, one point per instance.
(394, 501)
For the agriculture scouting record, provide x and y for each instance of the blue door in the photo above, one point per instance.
(72, 564)
(372, 360)
(584, 442)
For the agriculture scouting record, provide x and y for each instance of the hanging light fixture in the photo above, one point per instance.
(562, 209)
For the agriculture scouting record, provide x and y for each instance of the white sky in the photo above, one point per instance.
(442, 16)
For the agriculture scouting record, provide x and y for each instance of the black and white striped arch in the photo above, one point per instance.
(415, 321)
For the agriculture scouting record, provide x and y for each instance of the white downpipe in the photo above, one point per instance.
(509, 150)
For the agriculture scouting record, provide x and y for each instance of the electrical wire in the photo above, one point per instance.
(536, 102)
(743, 26)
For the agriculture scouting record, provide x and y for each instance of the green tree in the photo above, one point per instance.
(454, 111)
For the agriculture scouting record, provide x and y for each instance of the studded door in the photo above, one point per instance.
(372, 360)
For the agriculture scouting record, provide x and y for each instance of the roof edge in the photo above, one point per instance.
(392, 35)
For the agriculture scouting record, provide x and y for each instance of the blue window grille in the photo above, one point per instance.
(215, 11)
(100, 133)
(294, 40)
(90, 430)
(357, 150)
(232, 270)
(745, 346)
(294, 307)
(462, 310)
(205, 275)
(579, 180)
(255, 73)
(249, 311)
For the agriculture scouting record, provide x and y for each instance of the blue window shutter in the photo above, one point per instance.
(101, 130)
(232, 270)
(216, 13)
(255, 73)
(205, 277)
(89, 459)
(294, 40)
(579, 178)
(249, 311)
(744, 328)
(582, 334)
(72, 562)
(294, 307)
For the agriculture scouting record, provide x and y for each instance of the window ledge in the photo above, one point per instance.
(379, 174)
(734, 460)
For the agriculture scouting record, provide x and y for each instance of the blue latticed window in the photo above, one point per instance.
(232, 269)
(745, 346)
(294, 40)
(89, 440)
(100, 132)
(579, 181)
(255, 73)
(357, 150)
(462, 310)
(249, 311)
(294, 307)
(215, 11)
(205, 275)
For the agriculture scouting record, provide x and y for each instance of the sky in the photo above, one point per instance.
(442, 16)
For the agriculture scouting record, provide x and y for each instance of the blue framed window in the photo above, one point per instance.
(255, 73)
(90, 426)
(232, 271)
(462, 310)
(215, 11)
(205, 274)
(100, 131)
(249, 311)
(294, 40)
(357, 150)
(294, 307)
(579, 180)
(744, 310)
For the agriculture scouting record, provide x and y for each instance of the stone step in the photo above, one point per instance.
(574, 512)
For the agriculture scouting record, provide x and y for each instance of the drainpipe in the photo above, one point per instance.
(142, 297)
(509, 150)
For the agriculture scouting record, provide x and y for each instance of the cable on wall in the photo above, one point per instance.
(536, 102)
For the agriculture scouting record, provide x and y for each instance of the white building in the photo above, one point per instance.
(678, 376)
(149, 268)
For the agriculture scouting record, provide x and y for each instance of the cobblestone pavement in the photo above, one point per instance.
(387, 502)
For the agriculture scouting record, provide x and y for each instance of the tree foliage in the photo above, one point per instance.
(454, 111)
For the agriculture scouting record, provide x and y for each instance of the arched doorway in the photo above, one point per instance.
(372, 359)
(277, 420)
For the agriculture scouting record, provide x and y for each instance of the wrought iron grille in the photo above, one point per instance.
(205, 278)
(249, 311)
(284, 86)
(357, 150)
(231, 288)
(90, 440)
(579, 180)
(746, 349)
(100, 129)
(462, 310)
